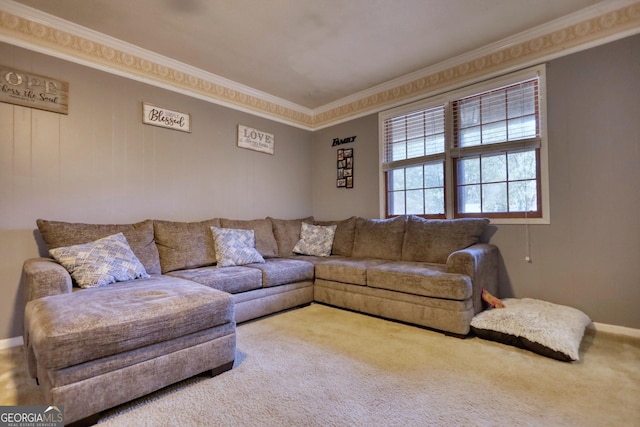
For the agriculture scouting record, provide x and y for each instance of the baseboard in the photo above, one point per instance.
(596, 326)
(615, 329)
(11, 342)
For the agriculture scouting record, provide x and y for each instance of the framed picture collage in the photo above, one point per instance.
(345, 168)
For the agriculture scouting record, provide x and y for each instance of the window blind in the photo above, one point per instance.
(500, 116)
(409, 138)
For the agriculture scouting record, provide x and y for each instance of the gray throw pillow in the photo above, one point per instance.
(315, 240)
(104, 261)
(263, 231)
(235, 247)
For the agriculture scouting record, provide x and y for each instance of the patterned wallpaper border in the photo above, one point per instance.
(33, 33)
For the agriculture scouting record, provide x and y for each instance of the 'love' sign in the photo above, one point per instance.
(254, 139)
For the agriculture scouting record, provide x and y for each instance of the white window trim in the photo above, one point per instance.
(539, 71)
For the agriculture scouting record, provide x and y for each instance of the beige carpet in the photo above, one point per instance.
(320, 366)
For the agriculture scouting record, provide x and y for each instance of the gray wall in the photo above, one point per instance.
(331, 202)
(100, 164)
(588, 256)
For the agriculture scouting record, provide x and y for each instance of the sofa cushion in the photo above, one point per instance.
(429, 280)
(315, 240)
(235, 247)
(280, 271)
(345, 234)
(287, 233)
(379, 238)
(184, 245)
(139, 235)
(428, 240)
(73, 328)
(346, 270)
(104, 261)
(228, 279)
(263, 230)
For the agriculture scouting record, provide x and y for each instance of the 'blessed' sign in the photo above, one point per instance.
(158, 116)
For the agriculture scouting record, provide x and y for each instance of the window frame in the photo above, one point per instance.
(447, 98)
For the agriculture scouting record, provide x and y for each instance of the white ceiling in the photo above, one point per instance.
(310, 52)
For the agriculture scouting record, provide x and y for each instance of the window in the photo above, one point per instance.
(479, 151)
(416, 140)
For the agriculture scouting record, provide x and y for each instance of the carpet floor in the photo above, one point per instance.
(322, 366)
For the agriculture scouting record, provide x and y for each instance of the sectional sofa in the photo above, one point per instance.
(184, 305)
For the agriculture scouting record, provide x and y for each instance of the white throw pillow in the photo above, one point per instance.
(235, 247)
(101, 262)
(543, 327)
(315, 240)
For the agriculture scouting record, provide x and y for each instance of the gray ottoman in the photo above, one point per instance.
(97, 348)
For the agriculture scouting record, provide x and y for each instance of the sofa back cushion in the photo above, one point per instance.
(287, 233)
(263, 231)
(428, 240)
(185, 245)
(140, 237)
(344, 236)
(379, 238)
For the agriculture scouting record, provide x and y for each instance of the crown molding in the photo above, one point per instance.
(599, 24)
(32, 29)
(593, 26)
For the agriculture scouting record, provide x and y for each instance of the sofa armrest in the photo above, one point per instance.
(480, 263)
(44, 277)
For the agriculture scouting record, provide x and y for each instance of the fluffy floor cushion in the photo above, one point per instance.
(548, 329)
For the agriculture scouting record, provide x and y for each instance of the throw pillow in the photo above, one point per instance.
(263, 231)
(545, 328)
(140, 237)
(315, 240)
(235, 247)
(104, 261)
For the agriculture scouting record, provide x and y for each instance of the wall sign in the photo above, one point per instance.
(32, 90)
(345, 168)
(338, 141)
(254, 139)
(158, 116)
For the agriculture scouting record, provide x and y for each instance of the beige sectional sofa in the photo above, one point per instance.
(424, 272)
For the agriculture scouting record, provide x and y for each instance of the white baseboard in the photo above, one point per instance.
(615, 329)
(11, 342)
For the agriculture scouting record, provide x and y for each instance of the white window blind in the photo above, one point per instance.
(415, 137)
(500, 116)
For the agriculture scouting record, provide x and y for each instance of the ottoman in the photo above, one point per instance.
(94, 349)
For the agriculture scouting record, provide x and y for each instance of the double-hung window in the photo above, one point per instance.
(475, 152)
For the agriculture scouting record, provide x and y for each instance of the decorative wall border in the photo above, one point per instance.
(487, 62)
(599, 24)
(35, 30)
